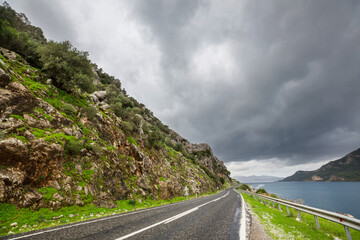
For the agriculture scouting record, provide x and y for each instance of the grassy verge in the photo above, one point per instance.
(280, 225)
(28, 220)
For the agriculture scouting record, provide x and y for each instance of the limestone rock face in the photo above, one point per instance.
(8, 54)
(13, 150)
(16, 99)
(4, 78)
(54, 153)
(30, 198)
(98, 96)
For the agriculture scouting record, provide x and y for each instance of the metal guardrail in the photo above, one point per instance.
(331, 216)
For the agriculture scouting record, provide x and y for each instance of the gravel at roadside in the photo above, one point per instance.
(256, 229)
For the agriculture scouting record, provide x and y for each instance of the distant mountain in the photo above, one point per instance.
(344, 169)
(253, 178)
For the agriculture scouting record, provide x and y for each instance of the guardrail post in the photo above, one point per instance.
(317, 222)
(348, 234)
(273, 204)
(299, 215)
(287, 210)
(279, 207)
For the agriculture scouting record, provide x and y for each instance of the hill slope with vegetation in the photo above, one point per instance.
(343, 169)
(70, 135)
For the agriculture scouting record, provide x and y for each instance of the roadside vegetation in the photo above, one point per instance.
(14, 220)
(281, 225)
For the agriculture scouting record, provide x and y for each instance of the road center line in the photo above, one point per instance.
(173, 218)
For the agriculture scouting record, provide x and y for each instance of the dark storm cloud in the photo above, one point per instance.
(293, 91)
(275, 82)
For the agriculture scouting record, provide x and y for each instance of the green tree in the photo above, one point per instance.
(67, 66)
(18, 35)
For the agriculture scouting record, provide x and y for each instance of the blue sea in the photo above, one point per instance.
(341, 197)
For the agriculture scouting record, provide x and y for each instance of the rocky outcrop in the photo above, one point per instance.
(54, 153)
(4, 78)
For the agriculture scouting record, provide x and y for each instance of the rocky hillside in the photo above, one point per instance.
(69, 134)
(343, 169)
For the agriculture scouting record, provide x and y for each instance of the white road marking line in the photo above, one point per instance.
(181, 215)
(242, 230)
(170, 219)
(96, 220)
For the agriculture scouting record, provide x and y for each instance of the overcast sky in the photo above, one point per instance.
(272, 86)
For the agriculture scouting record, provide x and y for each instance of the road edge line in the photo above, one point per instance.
(242, 229)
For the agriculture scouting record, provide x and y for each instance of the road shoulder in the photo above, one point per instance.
(257, 231)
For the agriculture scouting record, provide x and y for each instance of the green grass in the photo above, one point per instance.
(18, 117)
(59, 138)
(87, 174)
(28, 220)
(133, 141)
(47, 192)
(281, 226)
(38, 133)
(21, 138)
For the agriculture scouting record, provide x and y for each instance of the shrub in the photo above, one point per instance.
(244, 187)
(178, 147)
(66, 65)
(69, 109)
(90, 112)
(222, 180)
(73, 147)
(84, 82)
(117, 108)
(127, 127)
(132, 202)
(261, 191)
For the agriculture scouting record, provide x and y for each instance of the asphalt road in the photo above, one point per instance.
(211, 217)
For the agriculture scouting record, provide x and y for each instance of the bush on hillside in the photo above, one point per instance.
(244, 187)
(73, 147)
(90, 112)
(261, 191)
(18, 35)
(69, 109)
(67, 66)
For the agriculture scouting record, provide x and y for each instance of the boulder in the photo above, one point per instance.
(13, 150)
(30, 198)
(58, 197)
(8, 54)
(54, 184)
(4, 78)
(164, 193)
(16, 99)
(98, 96)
